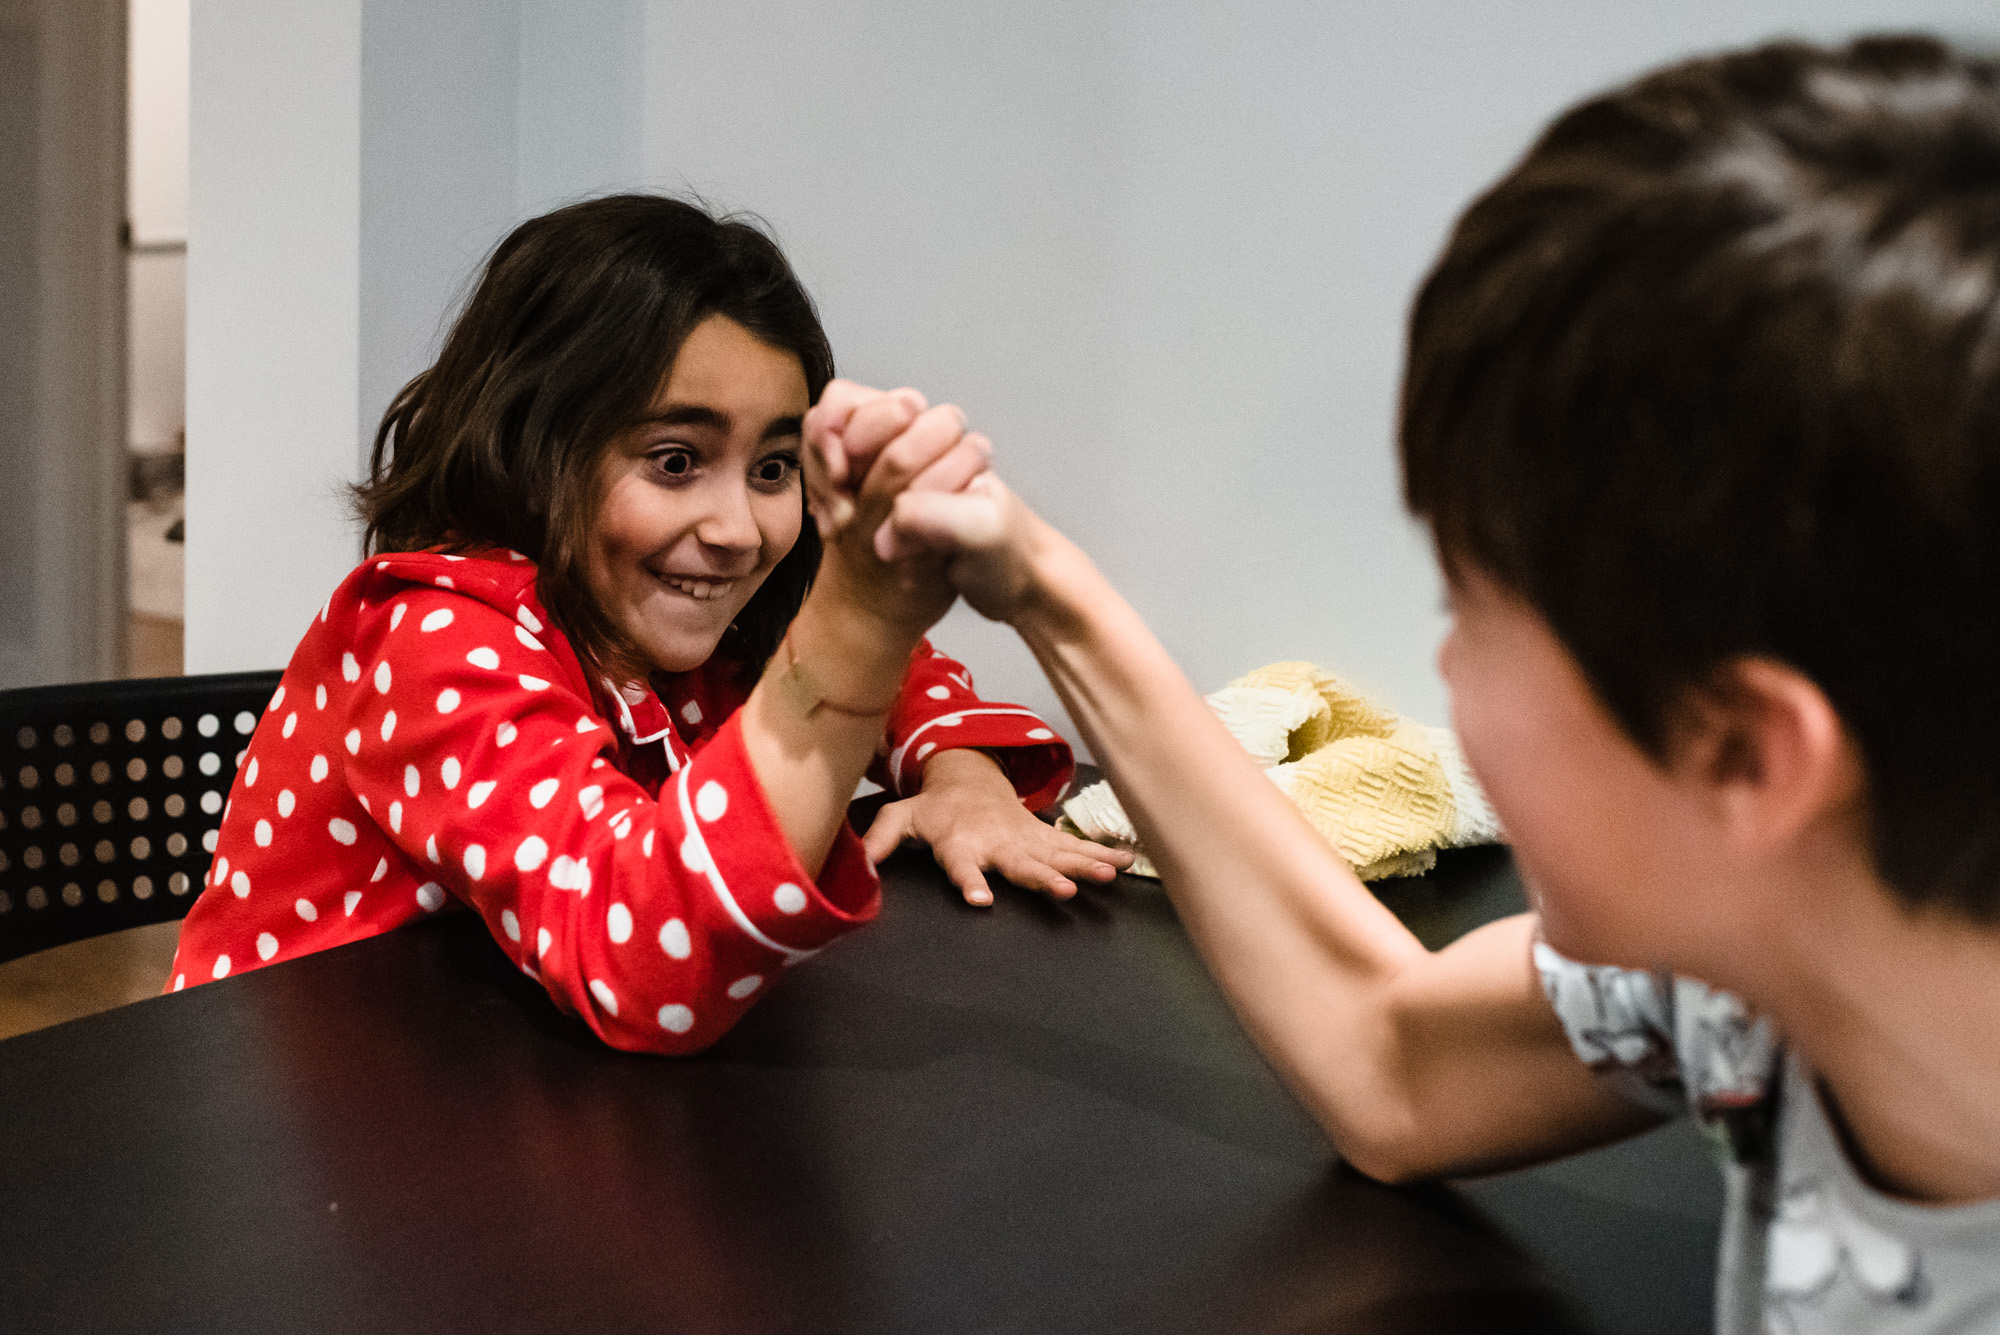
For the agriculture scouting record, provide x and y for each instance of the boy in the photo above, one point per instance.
(1703, 409)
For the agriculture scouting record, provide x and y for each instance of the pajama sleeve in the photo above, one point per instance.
(659, 922)
(938, 710)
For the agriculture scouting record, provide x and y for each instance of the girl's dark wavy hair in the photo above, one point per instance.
(571, 331)
(1714, 372)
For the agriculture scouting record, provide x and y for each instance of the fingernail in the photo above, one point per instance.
(841, 510)
(981, 897)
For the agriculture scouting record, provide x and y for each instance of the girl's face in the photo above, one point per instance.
(702, 498)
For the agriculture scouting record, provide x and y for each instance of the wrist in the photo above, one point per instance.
(1059, 580)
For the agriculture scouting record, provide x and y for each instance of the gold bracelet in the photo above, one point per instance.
(806, 694)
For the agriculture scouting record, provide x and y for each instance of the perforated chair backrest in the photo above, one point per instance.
(111, 796)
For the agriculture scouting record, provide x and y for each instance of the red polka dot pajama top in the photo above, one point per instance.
(435, 739)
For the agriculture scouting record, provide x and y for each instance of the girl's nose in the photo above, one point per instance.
(730, 523)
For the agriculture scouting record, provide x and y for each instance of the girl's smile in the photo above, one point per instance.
(701, 499)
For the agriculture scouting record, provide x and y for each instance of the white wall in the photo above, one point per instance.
(1161, 252)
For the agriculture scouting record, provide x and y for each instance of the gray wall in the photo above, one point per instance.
(1160, 252)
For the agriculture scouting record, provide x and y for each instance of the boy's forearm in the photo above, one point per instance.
(1415, 1064)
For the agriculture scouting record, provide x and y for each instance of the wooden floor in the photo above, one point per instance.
(85, 977)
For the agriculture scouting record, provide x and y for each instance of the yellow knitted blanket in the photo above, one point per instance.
(1386, 792)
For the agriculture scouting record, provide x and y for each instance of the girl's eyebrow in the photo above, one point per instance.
(696, 414)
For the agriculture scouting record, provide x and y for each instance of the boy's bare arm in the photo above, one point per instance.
(1418, 1064)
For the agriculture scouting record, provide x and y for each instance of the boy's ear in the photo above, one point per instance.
(1770, 747)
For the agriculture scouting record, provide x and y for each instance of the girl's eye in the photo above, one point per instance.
(674, 463)
(775, 470)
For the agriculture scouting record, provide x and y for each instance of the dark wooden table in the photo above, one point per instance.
(1034, 1119)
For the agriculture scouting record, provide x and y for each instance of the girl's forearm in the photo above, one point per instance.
(815, 719)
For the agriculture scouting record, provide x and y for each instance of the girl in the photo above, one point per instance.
(600, 681)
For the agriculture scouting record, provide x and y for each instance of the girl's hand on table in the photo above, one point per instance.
(974, 823)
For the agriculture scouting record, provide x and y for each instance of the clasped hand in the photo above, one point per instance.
(893, 479)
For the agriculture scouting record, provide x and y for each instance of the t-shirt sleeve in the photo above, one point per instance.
(659, 922)
(939, 710)
(1668, 1043)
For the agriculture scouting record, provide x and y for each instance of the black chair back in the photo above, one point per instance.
(111, 796)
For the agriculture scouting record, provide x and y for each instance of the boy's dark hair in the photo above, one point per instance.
(1715, 372)
(570, 333)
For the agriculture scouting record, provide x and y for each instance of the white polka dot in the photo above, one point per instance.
(388, 725)
(286, 802)
(1040, 735)
(267, 945)
(745, 985)
(532, 852)
(430, 895)
(542, 942)
(448, 700)
(591, 801)
(528, 619)
(676, 1019)
(567, 873)
(711, 801)
(533, 683)
(674, 939)
(431, 849)
(239, 883)
(210, 762)
(412, 780)
(693, 855)
(475, 861)
(646, 844)
(349, 900)
(395, 817)
(180, 981)
(437, 620)
(618, 924)
(208, 840)
(926, 749)
(343, 831)
(381, 870)
(950, 721)
(353, 741)
(448, 772)
(475, 796)
(221, 870)
(277, 697)
(939, 692)
(291, 724)
(319, 698)
(605, 996)
(444, 582)
(362, 798)
(483, 657)
(621, 825)
(586, 724)
(304, 908)
(262, 834)
(396, 615)
(529, 641)
(221, 969)
(510, 924)
(350, 669)
(250, 776)
(505, 734)
(542, 793)
(691, 712)
(789, 898)
(449, 557)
